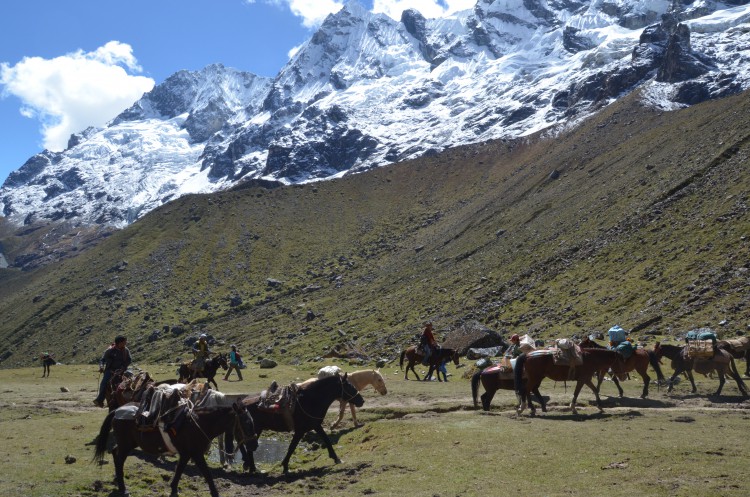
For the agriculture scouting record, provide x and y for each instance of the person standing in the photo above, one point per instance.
(47, 361)
(234, 363)
(116, 358)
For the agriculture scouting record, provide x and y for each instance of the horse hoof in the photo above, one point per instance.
(337, 461)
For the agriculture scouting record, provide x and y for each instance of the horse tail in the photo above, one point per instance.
(401, 362)
(475, 386)
(518, 371)
(101, 439)
(655, 364)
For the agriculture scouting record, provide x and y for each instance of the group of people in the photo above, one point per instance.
(117, 358)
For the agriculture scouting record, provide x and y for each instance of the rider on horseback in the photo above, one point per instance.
(427, 343)
(201, 353)
(116, 358)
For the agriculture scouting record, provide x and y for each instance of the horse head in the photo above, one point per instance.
(245, 426)
(221, 360)
(349, 393)
(454, 357)
(658, 350)
(379, 382)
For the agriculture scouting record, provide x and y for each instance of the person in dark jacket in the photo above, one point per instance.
(116, 358)
(47, 361)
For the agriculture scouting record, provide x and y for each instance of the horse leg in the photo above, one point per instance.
(342, 410)
(616, 381)
(292, 445)
(590, 384)
(692, 381)
(354, 415)
(178, 474)
(411, 365)
(331, 453)
(646, 382)
(541, 400)
(721, 373)
(119, 454)
(676, 373)
(200, 461)
(486, 398)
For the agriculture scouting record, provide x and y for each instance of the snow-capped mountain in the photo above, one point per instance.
(366, 91)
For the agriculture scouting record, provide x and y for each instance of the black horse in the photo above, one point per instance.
(210, 368)
(191, 440)
(310, 408)
(722, 362)
(436, 359)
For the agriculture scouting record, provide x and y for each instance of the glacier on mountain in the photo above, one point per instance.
(366, 90)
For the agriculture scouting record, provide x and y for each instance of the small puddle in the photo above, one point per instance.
(270, 451)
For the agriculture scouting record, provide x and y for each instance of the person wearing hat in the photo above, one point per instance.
(201, 352)
(514, 349)
(116, 358)
(47, 361)
(234, 363)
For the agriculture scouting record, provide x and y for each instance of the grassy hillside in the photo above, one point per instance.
(637, 217)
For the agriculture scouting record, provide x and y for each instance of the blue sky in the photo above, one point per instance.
(67, 65)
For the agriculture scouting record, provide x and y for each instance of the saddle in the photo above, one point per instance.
(280, 400)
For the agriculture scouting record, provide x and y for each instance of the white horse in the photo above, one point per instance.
(360, 380)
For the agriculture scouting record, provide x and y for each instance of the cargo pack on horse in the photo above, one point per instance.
(190, 441)
(739, 348)
(541, 364)
(638, 361)
(722, 362)
(309, 407)
(125, 387)
(436, 358)
(187, 374)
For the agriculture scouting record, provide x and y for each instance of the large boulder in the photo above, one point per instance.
(473, 335)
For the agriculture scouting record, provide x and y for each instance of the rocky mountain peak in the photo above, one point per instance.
(366, 90)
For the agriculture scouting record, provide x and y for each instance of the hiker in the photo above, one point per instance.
(427, 342)
(47, 361)
(235, 363)
(116, 358)
(201, 352)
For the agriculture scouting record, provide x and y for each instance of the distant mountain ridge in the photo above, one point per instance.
(366, 91)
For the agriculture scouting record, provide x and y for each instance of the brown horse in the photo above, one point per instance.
(682, 363)
(492, 380)
(638, 362)
(210, 368)
(739, 348)
(538, 366)
(191, 440)
(438, 357)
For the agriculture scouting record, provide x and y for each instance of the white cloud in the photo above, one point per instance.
(69, 93)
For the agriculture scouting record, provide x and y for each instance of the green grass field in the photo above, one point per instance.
(421, 439)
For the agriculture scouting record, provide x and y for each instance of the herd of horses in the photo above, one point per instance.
(244, 418)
